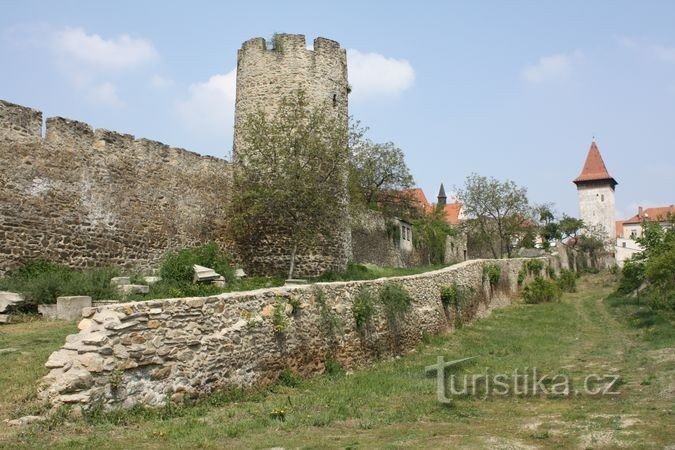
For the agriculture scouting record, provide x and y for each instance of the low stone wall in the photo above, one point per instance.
(150, 352)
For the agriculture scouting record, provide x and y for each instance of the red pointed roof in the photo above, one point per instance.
(594, 168)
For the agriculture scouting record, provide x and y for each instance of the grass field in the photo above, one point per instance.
(393, 404)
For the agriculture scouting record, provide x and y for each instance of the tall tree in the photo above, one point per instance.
(498, 211)
(378, 173)
(291, 177)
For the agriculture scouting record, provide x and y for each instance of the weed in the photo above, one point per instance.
(288, 378)
(396, 301)
(492, 273)
(534, 267)
(279, 321)
(329, 321)
(363, 308)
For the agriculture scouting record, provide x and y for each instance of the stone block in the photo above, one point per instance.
(130, 289)
(48, 311)
(204, 274)
(118, 281)
(151, 280)
(4, 318)
(9, 300)
(239, 273)
(70, 308)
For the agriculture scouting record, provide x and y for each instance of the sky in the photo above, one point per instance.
(514, 90)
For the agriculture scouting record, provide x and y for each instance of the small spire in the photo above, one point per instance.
(442, 198)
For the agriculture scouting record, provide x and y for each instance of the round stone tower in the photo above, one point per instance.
(266, 74)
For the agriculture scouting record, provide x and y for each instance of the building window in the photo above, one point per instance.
(602, 198)
(623, 244)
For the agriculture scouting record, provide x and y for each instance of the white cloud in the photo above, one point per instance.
(159, 82)
(209, 107)
(553, 67)
(663, 53)
(104, 94)
(122, 52)
(374, 75)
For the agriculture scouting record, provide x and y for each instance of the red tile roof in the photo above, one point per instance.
(594, 168)
(419, 197)
(656, 214)
(452, 211)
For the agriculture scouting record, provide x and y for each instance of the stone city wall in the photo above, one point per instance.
(150, 352)
(88, 197)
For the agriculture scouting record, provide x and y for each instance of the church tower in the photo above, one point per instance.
(595, 188)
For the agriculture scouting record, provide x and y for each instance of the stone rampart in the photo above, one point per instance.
(88, 197)
(150, 352)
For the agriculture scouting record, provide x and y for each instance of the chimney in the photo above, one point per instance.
(639, 212)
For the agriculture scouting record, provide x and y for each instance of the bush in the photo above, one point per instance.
(521, 276)
(363, 308)
(42, 282)
(492, 272)
(534, 267)
(455, 296)
(396, 301)
(567, 281)
(177, 266)
(660, 273)
(541, 291)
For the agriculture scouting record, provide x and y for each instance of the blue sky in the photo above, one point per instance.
(514, 90)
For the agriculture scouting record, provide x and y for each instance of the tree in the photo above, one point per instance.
(498, 211)
(290, 177)
(569, 226)
(378, 172)
(431, 233)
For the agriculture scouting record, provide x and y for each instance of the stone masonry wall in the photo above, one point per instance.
(88, 197)
(149, 352)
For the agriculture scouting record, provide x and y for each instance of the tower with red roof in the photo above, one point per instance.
(595, 188)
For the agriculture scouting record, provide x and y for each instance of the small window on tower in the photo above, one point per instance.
(602, 198)
(334, 100)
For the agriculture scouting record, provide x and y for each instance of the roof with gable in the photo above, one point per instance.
(594, 168)
(656, 214)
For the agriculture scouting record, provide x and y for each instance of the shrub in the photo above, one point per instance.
(333, 367)
(534, 267)
(541, 291)
(455, 296)
(396, 301)
(177, 266)
(363, 308)
(567, 281)
(492, 273)
(551, 272)
(42, 282)
(521, 276)
(660, 273)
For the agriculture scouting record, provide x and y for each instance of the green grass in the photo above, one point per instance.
(33, 342)
(372, 272)
(392, 404)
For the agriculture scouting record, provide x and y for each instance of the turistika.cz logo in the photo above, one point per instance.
(521, 382)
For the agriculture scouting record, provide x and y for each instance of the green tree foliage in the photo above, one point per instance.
(541, 291)
(178, 266)
(498, 212)
(290, 173)
(654, 265)
(570, 226)
(431, 233)
(378, 174)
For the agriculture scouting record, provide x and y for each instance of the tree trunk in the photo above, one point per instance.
(292, 268)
